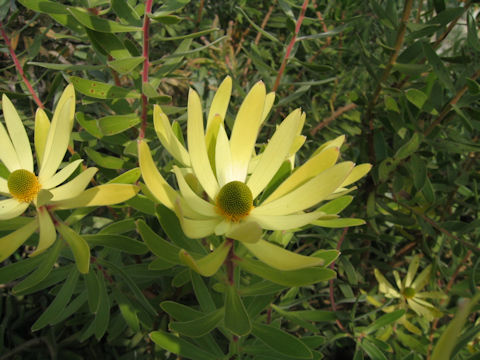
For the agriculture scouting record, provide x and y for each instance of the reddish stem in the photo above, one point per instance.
(19, 66)
(290, 46)
(229, 263)
(146, 65)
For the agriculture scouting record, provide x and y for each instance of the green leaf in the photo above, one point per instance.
(371, 350)
(66, 67)
(236, 317)
(90, 125)
(79, 247)
(180, 312)
(117, 242)
(11, 242)
(200, 326)
(108, 44)
(99, 90)
(188, 36)
(281, 341)
(339, 223)
(126, 65)
(444, 347)
(160, 247)
(102, 317)
(44, 6)
(136, 292)
(472, 35)
(127, 310)
(93, 289)
(126, 12)
(20, 268)
(128, 177)
(209, 264)
(179, 346)
(416, 97)
(409, 147)
(302, 277)
(384, 320)
(54, 310)
(202, 293)
(98, 24)
(103, 160)
(438, 67)
(169, 7)
(43, 270)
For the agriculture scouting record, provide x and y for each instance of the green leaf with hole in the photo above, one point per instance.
(236, 317)
(100, 90)
(200, 326)
(281, 341)
(98, 24)
(79, 247)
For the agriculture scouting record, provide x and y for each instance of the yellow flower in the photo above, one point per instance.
(233, 177)
(409, 293)
(46, 189)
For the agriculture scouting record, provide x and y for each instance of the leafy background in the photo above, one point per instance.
(398, 78)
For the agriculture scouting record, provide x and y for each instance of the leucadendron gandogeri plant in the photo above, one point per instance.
(47, 188)
(225, 189)
(409, 294)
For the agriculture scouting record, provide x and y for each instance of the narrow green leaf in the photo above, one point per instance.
(102, 317)
(169, 7)
(371, 350)
(20, 268)
(116, 124)
(160, 247)
(66, 67)
(43, 270)
(236, 317)
(281, 341)
(117, 242)
(200, 326)
(339, 223)
(79, 247)
(126, 12)
(384, 320)
(127, 310)
(126, 65)
(337, 205)
(302, 277)
(44, 6)
(105, 161)
(128, 177)
(472, 35)
(202, 293)
(93, 288)
(54, 310)
(99, 90)
(98, 24)
(409, 147)
(209, 264)
(90, 125)
(179, 346)
(438, 67)
(416, 97)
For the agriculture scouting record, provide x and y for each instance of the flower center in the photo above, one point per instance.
(409, 292)
(23, 185)
(234, 201)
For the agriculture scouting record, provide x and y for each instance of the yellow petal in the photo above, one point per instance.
(42, 127)
(197, 147)
(11, 208)
(269, 100)
(48, 234)
(223, 158)
(19, 136)
(196, 229)
(62, 175)
(281, 259)
(4, 186)
(79, 247)
(58, 134)
(74, 187)
(412, 270)
(12, 241)
(308, 194)
(274, 154)
(211, 138)
(167, 137)
(422, 279)
(8, 154)
(357, 173)
(220, 102)
(245, 130)
(337, 142)
(153, 179)
(384, 285)
(209, 264)
(101, 195)
(307, 171)
(194, 201)
(285, 222)
(246, 232)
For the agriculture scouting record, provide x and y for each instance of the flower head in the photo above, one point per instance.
(233, 201)
(409, 293)
(46, 188)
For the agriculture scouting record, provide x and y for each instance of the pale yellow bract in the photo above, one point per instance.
(216, 159)
(45, 190)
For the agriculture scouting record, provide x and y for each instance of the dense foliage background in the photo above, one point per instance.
(399, 78)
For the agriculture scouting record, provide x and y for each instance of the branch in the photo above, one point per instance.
(19, 67)
(332, 117)
(290, 46)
